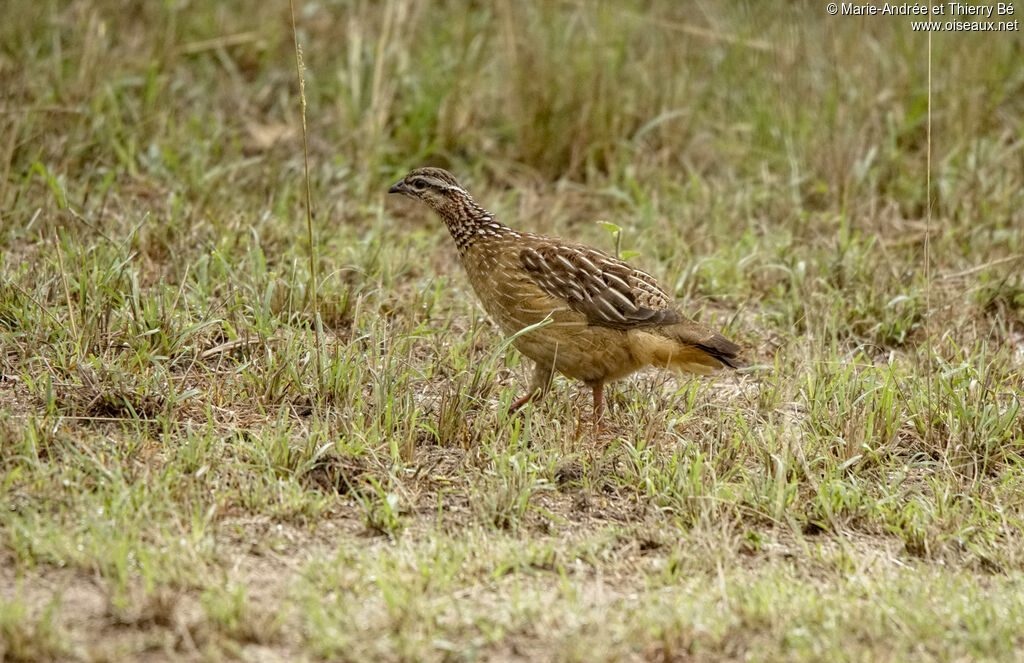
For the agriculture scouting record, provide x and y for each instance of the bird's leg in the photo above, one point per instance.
(520, 402)
(598, 388)
(540, 382)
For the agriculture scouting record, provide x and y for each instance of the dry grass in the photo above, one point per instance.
(180, 481)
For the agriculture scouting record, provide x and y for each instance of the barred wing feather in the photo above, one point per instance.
(606, 290)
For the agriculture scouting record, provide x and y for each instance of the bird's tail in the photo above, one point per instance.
(690, 346)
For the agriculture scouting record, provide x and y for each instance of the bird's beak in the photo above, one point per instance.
(397, 187)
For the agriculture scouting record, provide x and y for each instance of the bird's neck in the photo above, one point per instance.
(469, 223)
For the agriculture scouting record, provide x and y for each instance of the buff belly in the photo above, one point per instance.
(580, 351)
(563, 339)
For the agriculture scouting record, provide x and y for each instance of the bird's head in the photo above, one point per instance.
(436, 187)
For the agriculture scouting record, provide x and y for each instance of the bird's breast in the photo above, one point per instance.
(508, 293)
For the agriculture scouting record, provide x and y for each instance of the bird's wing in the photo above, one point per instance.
(606, 290)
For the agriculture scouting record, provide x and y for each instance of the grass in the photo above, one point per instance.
(182, 480)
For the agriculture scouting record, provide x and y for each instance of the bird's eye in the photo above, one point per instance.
(419, 185)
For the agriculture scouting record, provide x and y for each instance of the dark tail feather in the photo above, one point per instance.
(700, 349)
(723, 350)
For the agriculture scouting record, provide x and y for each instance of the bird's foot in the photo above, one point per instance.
(594, 428)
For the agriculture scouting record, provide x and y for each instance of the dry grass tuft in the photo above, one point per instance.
(202, 458)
